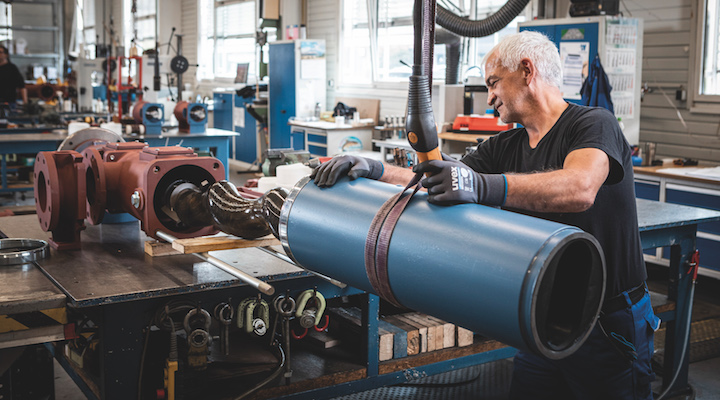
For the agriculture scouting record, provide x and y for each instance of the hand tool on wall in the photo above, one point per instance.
(224, 313)
(197, 326)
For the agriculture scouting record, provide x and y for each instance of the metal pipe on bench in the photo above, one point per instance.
(263, 287)
(288, 260)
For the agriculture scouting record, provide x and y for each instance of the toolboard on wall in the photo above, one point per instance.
(618, 42)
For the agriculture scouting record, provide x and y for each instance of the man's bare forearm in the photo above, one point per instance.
(396, 175)
(555, 191)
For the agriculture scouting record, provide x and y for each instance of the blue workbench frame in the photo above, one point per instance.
(665, 224)
(41, 142)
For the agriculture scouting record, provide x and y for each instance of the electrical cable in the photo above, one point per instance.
(685, 346)
(142, 362)
(169, 87)
(270, 378)
(175, 306)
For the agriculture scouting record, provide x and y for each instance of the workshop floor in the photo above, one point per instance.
(485, 382)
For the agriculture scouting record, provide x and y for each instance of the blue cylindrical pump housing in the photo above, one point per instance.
(530, 283)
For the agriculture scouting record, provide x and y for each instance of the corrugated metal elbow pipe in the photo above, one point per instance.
(530, 283)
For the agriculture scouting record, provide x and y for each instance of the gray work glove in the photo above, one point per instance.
(452, 182)
(353, 166)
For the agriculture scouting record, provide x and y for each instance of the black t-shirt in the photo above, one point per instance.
(10, 80)
(613, 217)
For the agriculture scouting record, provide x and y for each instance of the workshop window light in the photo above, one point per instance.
(227, 38)
(6, 20)
(355, 53)
(141, 24)
(375, 47)
(710, 74)
(86, 26)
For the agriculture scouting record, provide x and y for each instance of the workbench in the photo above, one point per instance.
(116, 284)
(449, 143)
(697, 186)
(326, 139)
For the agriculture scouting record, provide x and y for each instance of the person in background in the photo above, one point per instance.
(10, 80)
(567, 163)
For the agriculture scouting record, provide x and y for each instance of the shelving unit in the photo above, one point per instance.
(40, 24)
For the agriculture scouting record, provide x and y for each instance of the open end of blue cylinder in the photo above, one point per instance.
(569, 297)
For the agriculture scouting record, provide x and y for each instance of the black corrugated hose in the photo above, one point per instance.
(485, 27)
(452, 54)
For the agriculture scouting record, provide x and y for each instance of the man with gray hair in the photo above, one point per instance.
(570, 164)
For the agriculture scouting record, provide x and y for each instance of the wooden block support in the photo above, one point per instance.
(205, 243)
(212, 243)
(465, 337)
(448, 331)
(159, 249)
(431, 334)
(422, 331)
(435, 330)
(352, 316)
(413, 334)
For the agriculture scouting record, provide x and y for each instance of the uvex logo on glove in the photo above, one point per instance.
(452, 182)
(462, 179)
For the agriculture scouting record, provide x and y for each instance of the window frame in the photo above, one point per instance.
(226, 81)
(128, 32)
(699, 103)
(390, 86)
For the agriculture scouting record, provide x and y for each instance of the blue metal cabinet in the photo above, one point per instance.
(222, 112)
(297, 83)
(246, 145)
(231, 114)
(282, 93)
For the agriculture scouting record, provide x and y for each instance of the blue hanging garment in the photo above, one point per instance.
(596, 89)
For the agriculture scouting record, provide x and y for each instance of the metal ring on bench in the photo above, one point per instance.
(22, 251)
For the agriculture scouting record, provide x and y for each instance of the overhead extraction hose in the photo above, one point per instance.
(485, 27)
(452, 44)
(420, 121)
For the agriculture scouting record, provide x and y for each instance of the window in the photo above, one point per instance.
(707, 57)
(140, 28)
(227, 38)
(6, 35)
(86, 26)
(710, 75)
(377, 46)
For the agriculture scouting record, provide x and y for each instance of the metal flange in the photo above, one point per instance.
(22, 251)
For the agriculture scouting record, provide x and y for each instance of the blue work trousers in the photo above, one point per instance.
(597, 370)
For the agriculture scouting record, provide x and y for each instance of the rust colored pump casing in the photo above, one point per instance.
(120, 178)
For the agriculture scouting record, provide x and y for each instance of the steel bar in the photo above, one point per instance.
(287, 259)
(263, 287)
